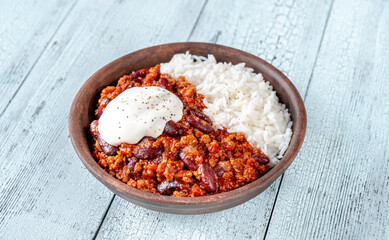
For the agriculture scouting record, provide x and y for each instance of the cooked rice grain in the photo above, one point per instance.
(237, 99)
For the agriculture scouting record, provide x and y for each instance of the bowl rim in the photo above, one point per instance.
(121, 188)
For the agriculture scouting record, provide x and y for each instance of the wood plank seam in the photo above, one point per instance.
(266, 36)
(305, 95)
(274, 204)
(38, 58)
(104, 216)
(318, 50)
(109, 206)
(197, 20)
(76, 42)
(347, 101)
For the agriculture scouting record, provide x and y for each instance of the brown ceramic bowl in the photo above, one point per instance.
(81, 115)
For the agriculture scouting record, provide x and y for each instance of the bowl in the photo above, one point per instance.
(82, 108)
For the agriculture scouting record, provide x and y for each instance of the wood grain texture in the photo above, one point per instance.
(128, 221)
(25, 30)
(340, 187)
(336, 189)
(285, 30)
(45, 192)
(285, 33)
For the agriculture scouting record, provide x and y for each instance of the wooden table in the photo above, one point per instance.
(336, 52)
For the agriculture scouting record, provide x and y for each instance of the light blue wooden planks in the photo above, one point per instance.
(25, 30)
(336, 189)
(45, 191)
(339, 188)
(283, 32)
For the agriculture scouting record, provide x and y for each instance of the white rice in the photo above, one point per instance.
(237, 99)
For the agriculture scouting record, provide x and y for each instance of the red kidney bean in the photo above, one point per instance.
(172, 129)
(131, 163)
(106, 147)
(165, 84)
(133, 82)
(93, 128)
(146, 139)
(168, 187)
(188, 160)
(208, 177)
(103, 105)
(158, 72)
(199, 114)
(199, 124)
(261, 158)
(148, 152)
(99, 112)
(140, 73)
(105, 102)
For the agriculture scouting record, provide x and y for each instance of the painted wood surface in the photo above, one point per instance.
(339, 187)
(25, 30)
(335, 53)
(45, 191)
(289, 32)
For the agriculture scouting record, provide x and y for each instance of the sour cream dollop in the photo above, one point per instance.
(138, 112)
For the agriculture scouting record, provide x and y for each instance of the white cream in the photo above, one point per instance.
(138, 112)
